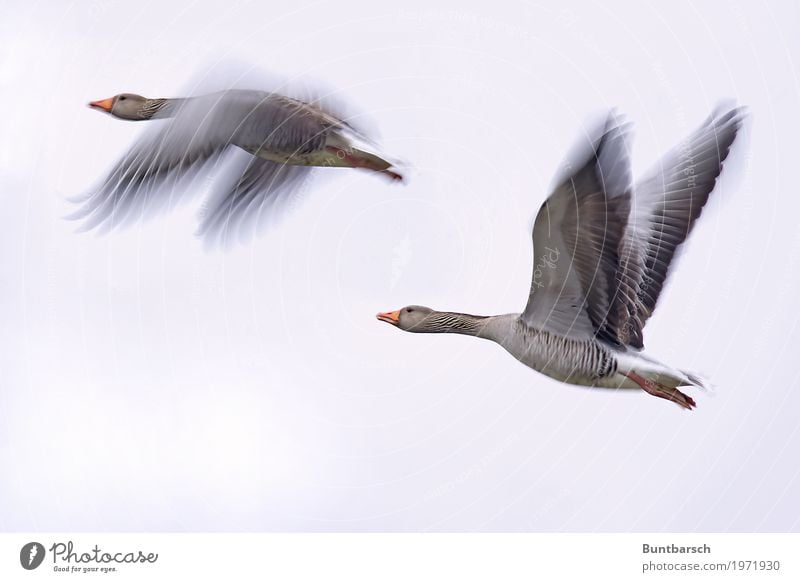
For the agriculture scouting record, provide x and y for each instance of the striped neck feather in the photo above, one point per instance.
(449, 322)
(161, 107)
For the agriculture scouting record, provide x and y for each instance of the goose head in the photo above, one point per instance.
(415, 318)
(126, 106)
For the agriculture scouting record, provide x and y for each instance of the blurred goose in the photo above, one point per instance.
(602, 251)
(284, 138)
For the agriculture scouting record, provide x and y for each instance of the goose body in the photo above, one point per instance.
(602, 253)
(279, 140)
(585, 362)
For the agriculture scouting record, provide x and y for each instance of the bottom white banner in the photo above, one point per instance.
(390, 556)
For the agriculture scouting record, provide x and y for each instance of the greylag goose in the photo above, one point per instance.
(602, 253)
(284, 137)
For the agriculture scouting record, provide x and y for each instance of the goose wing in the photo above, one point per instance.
(665, 206)
(237, 208)
(576, 238)
(196, 131)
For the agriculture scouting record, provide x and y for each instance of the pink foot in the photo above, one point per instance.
(393, 176)
(656, 389)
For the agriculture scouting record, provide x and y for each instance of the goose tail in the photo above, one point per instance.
(658, 379)
(698, 380)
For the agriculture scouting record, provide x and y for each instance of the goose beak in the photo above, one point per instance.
(392, 317)
(104, 104)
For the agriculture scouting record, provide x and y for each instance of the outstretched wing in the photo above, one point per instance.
(197, 130)
(576, 239)
(665, 207)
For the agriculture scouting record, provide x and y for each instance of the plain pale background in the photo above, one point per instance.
(149, 385)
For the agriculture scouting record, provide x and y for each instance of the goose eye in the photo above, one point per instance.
(409, 310)
(122, 98)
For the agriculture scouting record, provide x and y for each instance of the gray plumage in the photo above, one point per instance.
(279, 140)
(665, 206)
(602, 250)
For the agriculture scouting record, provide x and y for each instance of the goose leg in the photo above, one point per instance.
(656, 389)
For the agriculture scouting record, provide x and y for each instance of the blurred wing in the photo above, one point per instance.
(237, 209)
(575, 240)
(664, 209)
(199, 129)
(260, 187)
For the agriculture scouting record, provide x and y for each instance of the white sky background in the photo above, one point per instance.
(146, 384)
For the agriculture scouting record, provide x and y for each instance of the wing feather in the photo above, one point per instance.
(665, 206)
(575, 239)
(236, 212)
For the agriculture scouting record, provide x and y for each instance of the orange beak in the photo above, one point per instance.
(392, 317)
(104, 104)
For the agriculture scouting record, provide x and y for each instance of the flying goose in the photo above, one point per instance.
(602, 251)
(284, 137)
